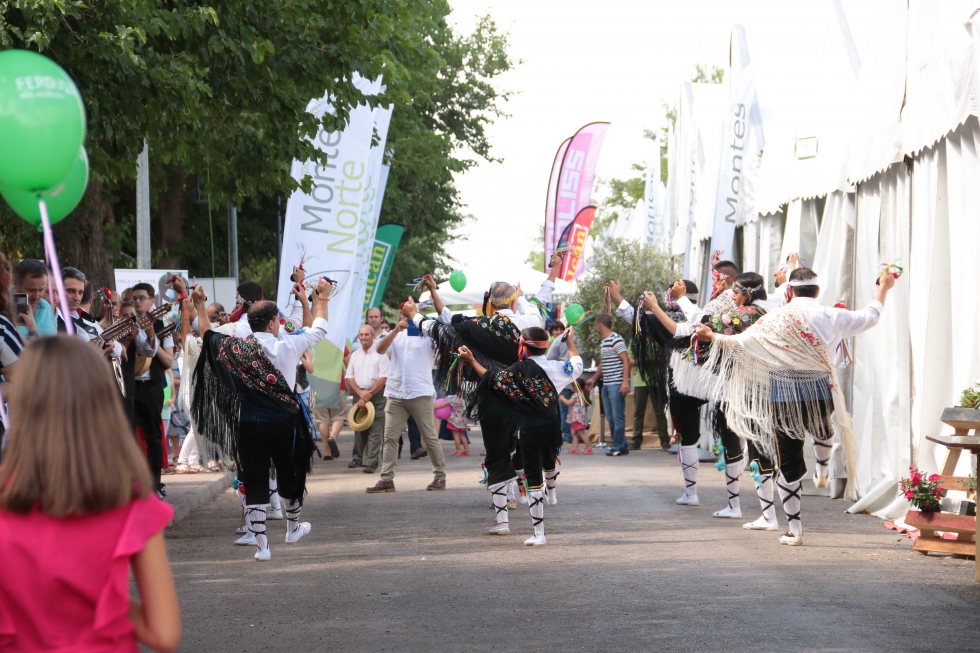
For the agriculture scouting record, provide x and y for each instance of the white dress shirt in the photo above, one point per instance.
(410, 371)
(366, 367)
(693, 313)
(286, 352)
(243, 330)
(831, 325)
(86, 336)
(557, 372)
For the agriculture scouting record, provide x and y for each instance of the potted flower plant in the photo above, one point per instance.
(923, 493)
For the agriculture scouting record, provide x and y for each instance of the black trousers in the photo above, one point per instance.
(498, 443)
(258, 444)
(147, 407)
(685, 413)
(789, 449)
(729, 440)
(539, 442)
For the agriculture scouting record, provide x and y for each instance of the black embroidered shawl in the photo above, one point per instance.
(235, 381)
(493, 341)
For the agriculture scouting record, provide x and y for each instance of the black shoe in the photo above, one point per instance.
(368, 470)
(634, 447)
(354, 463)
(334, 449)
(610, 452)
(161, 493)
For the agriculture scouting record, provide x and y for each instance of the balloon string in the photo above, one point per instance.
(3, 414)
(52, 253)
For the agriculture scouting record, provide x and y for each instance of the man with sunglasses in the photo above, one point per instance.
(155, 357)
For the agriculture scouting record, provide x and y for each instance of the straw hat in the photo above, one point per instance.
(361, 419)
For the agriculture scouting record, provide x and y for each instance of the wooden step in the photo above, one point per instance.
(955, 482)
(936, 545)
(940, 521)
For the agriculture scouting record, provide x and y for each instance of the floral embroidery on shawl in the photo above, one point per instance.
(245, 358)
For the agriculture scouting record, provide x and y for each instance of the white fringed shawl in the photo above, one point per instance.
(777, 358)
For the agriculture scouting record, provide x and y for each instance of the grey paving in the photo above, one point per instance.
(625, 569)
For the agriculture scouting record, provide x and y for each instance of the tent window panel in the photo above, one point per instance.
(809, 230)
(738, 248)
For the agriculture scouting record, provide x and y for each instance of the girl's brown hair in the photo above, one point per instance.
(70, 450)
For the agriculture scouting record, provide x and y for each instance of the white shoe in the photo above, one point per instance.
(303, 529)
(500, 529)
(688, 501)
(248, 539)
(537, 540)
(551, 498)
(522, 500)
(789, 539)
(820, 482)
(728, 513)
(761, 524)
(241, 530)
(273, 513)
(263, 554)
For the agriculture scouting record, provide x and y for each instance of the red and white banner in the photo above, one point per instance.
(550, 237)
(574, 238)
(576, 176)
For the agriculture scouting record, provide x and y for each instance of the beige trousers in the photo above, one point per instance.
(396, 416)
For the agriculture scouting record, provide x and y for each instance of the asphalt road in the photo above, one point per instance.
(625, 569)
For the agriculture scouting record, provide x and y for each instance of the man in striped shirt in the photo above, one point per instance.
(614, 369)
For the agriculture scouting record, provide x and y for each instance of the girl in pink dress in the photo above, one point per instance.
(577, 418)
(76, 512)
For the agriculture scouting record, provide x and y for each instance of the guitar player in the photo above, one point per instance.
(153, 358)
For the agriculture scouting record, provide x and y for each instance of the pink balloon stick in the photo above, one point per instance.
(56, 268)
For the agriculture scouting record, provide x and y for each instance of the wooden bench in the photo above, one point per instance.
(964, 526)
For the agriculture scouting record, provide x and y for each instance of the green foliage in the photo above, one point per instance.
(703, 74)
(219, 89)
(535, 258)
(971, 397)
(637, 266)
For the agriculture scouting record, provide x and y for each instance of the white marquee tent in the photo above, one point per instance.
(871, 138)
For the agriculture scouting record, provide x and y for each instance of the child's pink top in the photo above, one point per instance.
(64, 583)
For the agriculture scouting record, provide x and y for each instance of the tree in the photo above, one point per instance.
(638, 266)
(220, 90)
(535, 258)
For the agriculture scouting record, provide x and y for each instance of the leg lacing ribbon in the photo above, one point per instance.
(787, 494)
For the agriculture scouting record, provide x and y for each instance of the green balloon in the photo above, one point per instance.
(61, 199)
(42, 120)
(574, 313)
(457, 280)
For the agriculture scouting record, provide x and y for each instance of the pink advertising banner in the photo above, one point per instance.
(550, 238)
(575, 178)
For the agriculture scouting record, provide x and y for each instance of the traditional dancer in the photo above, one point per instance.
(252, 381)
(685, 410)
(493, 339)
(777, 382)
(527, 392)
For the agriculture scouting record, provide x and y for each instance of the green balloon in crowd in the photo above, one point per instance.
(574, 313)
(60, 199)
(457, 280)
(42, 121)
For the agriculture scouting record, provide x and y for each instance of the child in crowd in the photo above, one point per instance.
(85, 482)
(578, 420)
(456, 423)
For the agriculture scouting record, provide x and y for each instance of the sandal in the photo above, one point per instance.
(466, 452)
(457, 453)
(572, 451)
(589, 450)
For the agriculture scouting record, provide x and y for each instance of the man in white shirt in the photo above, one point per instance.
(367, 373)
(377, 323)
(806, 335)
(153, 360)
(273, 423)
(409, 391)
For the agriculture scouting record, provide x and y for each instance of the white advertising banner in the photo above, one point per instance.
(156, 278)
(322, 230)
(738, 145)
(653, 202)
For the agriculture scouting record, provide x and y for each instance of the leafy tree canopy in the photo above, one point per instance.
(637, 266)
(219, 89)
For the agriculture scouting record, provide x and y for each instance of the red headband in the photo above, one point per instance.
(523, 345)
